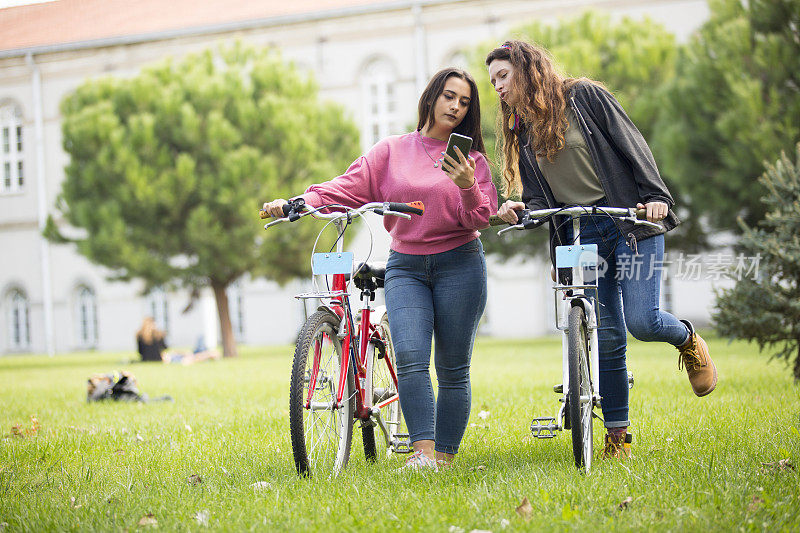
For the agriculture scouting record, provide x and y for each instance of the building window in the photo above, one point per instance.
(380, 95)
(12, 178)
(236, 309)
(86, 314)
(157, 308)
(19, 323)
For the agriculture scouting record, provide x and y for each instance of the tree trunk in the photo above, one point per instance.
(228, 342)
(797, 364)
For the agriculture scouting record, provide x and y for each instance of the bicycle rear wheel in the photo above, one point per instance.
(384, 388)
(579, 395)
(322, 433)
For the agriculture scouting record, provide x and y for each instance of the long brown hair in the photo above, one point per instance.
(471, 124)
(149, 333)
(542, 106)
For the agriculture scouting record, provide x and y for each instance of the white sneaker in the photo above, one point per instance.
(419, 462)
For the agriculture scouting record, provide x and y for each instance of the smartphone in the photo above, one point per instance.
(463, 142)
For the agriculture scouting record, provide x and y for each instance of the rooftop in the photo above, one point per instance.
(63, 22)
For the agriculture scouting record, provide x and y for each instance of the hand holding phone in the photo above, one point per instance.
(462, 173)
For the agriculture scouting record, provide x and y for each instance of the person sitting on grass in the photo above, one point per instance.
(152, 346)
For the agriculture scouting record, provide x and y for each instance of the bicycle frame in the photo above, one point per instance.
(578, 292)
(356, 339)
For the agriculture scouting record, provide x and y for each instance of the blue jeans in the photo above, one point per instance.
(441, 296)
(628, 295)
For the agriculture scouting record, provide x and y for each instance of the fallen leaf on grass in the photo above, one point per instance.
(483, 415)
(455, 529)
(260, 485)
(480, 531)
(72, 503)
(195, 479)
(119, 451)
(777, 466)
(625, 503)
(504, 523)
(202, 517)
(754, 504)
(474, 425)
(148, 520)
(477, 468)
(525, 509)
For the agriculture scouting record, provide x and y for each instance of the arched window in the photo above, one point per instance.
(12, 174)
(380, 97)
(236, 309)
(86, 317)
(157, 308)
(19, 324)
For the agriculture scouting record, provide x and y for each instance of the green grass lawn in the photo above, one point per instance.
(699, 462)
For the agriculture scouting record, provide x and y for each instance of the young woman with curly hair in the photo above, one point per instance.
(567, 141)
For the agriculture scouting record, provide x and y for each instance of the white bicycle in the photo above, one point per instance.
(576, 315)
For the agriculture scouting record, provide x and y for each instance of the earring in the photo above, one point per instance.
(513, 121)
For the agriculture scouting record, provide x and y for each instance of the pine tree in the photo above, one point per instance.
(734, 103)
(767, 309)
(168, 169)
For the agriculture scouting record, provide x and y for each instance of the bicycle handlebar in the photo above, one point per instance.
(297, 208)
(527, 218)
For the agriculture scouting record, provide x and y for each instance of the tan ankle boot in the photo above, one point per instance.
(699, 366)
(618, 447)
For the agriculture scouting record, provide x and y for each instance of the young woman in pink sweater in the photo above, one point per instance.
(436, 274)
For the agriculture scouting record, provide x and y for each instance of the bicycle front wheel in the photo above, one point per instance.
(384, 395)
(579, 395)
(321, 431)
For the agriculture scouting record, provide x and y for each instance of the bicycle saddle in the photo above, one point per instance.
(370, 275)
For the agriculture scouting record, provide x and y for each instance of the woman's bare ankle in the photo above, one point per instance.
(426, 447)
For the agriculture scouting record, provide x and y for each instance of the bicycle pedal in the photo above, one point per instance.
(544, 427)
(559, 389)
(401, 443)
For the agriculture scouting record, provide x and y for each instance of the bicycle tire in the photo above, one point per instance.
(321, 438)
(580, 412)
(382, 387)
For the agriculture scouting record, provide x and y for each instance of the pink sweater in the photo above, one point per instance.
(397, 169)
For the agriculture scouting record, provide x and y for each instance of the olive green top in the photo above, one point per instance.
(571, 175)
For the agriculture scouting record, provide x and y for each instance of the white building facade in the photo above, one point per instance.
(372, 58)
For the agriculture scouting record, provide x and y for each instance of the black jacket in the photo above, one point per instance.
(621, 157)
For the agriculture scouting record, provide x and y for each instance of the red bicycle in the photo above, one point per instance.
(344, 363)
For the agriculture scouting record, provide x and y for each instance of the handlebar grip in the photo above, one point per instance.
(522, 218)
(641, 214)
(414, 208)
(287, 208)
